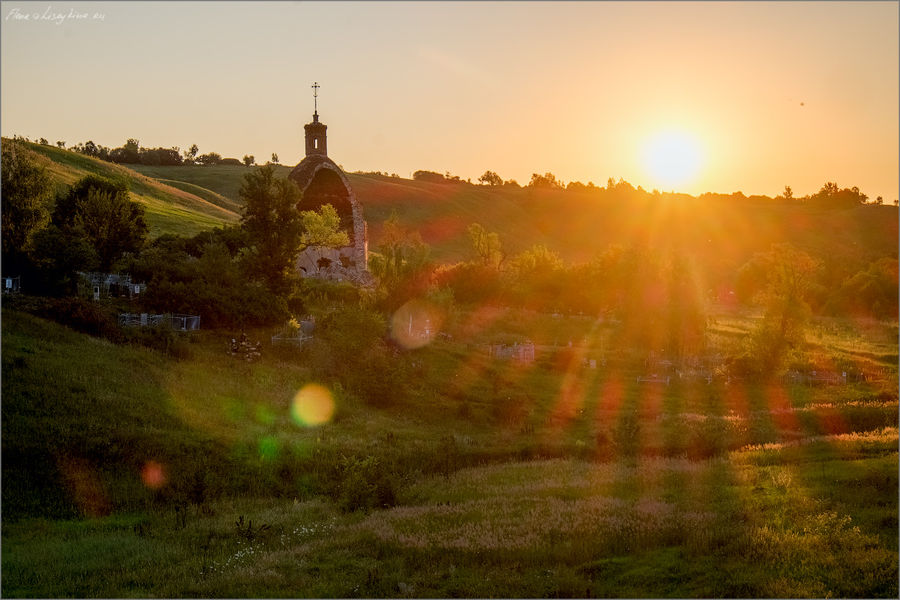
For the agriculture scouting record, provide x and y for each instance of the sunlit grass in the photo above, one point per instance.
(548, 478)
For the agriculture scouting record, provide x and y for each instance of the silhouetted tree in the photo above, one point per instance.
(546, 181)
(249, 160)
(210, 158)
(191, 154)
(274, 158)
(272, 224)
(490, 178)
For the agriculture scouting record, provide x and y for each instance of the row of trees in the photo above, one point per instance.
(132, 153)
(830, 195)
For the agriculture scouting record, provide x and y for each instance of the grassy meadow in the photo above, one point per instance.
(170, 207)
(129, 472)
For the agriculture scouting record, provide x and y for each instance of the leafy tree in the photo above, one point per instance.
(44, 142)
(191, 154)
(546, 181)
(272, 224)
(490, 178)
(323, 228)
(537, 278)
(831, 196)
(486, 246)
(210, 158)
(102, 211)
(428, 176)
(274, 158)
(127, 154)
(57, 254)
(788, 193)
(61, 144)
(249, 160)
(790, 277)
(26, 191)
(402, 265)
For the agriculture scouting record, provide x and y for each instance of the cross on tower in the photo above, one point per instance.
(315, 86)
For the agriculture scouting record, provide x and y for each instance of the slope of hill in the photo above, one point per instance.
(725, 233)
(581, 225)
(169, 209)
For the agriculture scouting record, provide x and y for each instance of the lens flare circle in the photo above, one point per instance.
(416, 323)
(153, 475)
(672, 157)
(313, 405)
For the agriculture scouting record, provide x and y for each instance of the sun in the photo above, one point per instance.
(672, 158)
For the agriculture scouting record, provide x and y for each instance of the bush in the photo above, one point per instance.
(365, 484)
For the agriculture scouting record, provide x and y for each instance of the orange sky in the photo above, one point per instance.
(575, 88)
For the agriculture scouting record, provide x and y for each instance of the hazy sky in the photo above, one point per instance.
(773, 94)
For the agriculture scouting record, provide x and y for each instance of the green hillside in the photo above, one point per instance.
(581, 225)
(169, 209)
(721, 234)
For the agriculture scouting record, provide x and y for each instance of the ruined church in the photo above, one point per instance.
(321, 182)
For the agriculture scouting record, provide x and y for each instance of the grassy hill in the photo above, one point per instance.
(580, 225)
(725, 233)
(177, 208)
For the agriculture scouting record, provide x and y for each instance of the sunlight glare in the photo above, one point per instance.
(672, 158)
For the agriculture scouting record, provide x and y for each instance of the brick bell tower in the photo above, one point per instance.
(315, 131)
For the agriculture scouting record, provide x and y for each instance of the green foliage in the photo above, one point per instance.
(57, 254)
(870, 292)
(273, 226)
(402, 266)
(790, 274)
(26, 193)
(487, 247)
(323, 228)
(101, 211)
(212, 285)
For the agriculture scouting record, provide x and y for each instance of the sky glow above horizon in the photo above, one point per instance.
(773, 93)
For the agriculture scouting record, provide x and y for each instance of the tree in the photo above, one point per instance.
(130, 153)
(274, 158)
(428, 176)
(547, 181)
(210, 158)
(788, 193)
(273, 225)
(249, 160)
(102, 212)
(26, 192)
(60, 144)
(323, 228)
(191, 154)
(402, 266)
(486, 245)
(490, 178)
(790, 276)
